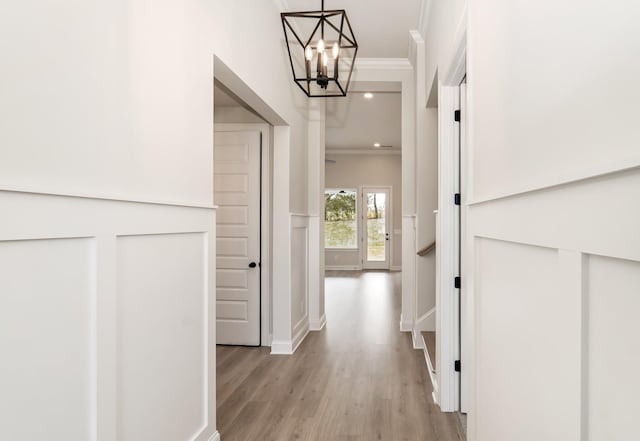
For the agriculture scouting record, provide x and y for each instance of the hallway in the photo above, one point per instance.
(357, 379)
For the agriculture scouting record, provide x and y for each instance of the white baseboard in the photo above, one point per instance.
(300, 335)
(317, 325)
(281, 347)
(343, 268)
(405, 325)
(215, 436)
(288, 347)
(430, 366)
(427, 322)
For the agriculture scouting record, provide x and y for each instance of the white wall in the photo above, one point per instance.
(112, 101)
(550, 280)
(426, 203)
(356, 171)
(426, 193)
(568, 254)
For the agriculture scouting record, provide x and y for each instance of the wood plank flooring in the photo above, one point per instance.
(357, 379)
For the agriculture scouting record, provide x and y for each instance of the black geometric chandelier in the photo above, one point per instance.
(322, 51)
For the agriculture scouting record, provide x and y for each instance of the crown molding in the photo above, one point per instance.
(383, 64)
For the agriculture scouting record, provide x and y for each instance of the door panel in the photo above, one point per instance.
(237, 194)
(376, 209)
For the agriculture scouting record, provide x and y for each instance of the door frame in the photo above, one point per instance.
(453, 251)
(363, 226)
(266, 153)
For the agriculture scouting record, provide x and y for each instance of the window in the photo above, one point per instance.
(340, 219)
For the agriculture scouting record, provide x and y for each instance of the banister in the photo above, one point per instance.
(426, 250)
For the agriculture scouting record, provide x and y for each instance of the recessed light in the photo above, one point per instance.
(377, 144)
(368, 95)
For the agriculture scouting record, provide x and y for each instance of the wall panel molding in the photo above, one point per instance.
(167, 235)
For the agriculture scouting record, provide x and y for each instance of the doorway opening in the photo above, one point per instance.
(242, 193)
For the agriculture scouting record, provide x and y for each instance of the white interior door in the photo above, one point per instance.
(376, 213)
(237, 194)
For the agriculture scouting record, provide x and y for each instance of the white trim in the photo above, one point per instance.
(362, 151)
(416, 36)
(405, 325)
(318, 325)
(447, 251)
(302, 332)
(430, 368)
(418, 341)
(395, 268)
(102, 197)
(288, 347)
(215, 436)
(281, 347)
(590, 174)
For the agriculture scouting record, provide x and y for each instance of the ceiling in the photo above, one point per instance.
(355, 122)
(381, 27)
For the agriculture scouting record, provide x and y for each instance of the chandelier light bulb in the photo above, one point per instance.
(308, 53)
(336, 50)
(325, 58)
(321, 46)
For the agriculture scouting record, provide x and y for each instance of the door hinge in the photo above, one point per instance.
(456, 198)
(457, 282)
(456, 116)
(456, 365)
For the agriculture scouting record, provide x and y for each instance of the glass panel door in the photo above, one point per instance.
(376, 215)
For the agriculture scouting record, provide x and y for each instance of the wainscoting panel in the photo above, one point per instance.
(162, 297)
(523, 316)
(299, 278)
(107, 320)
(613, 348)
(47, 339)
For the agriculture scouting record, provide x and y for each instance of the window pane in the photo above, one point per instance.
(340, 219)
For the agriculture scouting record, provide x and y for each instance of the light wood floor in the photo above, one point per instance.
(358, 379)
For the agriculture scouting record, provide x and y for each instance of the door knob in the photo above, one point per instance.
(253, 265)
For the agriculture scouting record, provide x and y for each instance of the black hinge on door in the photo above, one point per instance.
(456, 366)
(457, 282)
(456, 116)
(456, 198)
